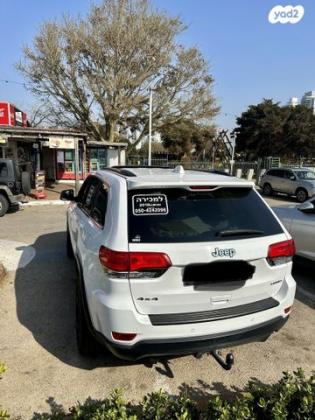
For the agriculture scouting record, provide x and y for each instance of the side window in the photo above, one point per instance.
(278, 173)
(271, 172)
(3, 170)
(87, 200)
(86, 193)
(288, 174)
(83, 189)
(99, 205)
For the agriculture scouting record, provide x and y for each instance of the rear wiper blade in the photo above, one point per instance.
(239, 232)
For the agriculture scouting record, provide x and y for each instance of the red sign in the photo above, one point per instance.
(10, 115)
(4, 113)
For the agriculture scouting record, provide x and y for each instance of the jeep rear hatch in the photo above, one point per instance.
(216, 239)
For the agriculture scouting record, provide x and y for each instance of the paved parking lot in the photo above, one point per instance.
(37, 337)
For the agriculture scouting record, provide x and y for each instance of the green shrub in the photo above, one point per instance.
(2, 369)
(292, 398)
(3, 413)
(112, 408)
(160, 406)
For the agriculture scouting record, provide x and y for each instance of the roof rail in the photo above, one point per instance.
(213, 171)
(120, 171)
(127, 170)
(142, 167)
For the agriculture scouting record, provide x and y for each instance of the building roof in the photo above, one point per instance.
(94, 143)
(39, 133)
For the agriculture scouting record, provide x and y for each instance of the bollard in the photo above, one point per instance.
(250, 174)
(239, 173)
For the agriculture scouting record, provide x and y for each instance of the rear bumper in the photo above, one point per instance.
(191, 345)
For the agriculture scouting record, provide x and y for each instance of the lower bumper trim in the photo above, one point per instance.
(191, 345)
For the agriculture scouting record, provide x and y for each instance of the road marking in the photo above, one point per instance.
(15, 255)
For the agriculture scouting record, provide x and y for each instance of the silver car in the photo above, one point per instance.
(296, 182)
(300, 222)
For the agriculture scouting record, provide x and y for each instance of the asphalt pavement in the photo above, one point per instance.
(37, 334)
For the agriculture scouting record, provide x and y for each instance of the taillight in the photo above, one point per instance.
(123, 336)
(133, 261)
(149, 261)
(114, 260)
(281, 252)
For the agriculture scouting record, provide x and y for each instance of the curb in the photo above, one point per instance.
(45, 203)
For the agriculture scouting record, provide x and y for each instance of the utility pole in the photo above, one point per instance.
(150, 126)
(76, 166)
(232, 161)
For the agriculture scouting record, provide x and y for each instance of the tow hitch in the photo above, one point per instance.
(227, 363)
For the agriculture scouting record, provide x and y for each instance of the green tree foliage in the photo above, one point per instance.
(96, 71)
(268, 129)
(187, 138)
(298, 132)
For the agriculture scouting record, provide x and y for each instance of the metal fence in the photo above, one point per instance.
(250, 170)
(143, 161)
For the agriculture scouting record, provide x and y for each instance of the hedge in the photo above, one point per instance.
(292, 398)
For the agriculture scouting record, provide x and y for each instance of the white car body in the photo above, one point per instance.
(136, 315)
(300, 222)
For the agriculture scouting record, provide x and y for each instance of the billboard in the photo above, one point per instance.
(4, 113)
(10, 115)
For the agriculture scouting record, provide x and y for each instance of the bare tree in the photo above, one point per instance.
(98, 70)
(45, 114)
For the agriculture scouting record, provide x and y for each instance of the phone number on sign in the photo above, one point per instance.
(151, 210)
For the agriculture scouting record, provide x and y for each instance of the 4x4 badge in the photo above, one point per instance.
(227, 252)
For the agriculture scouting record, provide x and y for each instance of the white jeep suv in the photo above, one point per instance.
(175, 262)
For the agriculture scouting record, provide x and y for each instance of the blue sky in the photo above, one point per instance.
(249, 58)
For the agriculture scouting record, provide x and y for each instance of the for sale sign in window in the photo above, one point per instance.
(149, 204)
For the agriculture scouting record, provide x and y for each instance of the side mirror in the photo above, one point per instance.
(292, 177)
(67, 195)
(307, 207)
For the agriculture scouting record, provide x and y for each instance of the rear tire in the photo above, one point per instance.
(70, 253)
(87, 344)
(4, 205)
(301, 195)
(26, 182)
(267, 189)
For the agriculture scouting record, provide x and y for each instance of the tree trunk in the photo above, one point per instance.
(110, 130)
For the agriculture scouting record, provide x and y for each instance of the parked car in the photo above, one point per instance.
(300, 222)
(175, 262)
(295, 182)
(14, 183)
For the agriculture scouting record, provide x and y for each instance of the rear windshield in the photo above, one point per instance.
(178, 215)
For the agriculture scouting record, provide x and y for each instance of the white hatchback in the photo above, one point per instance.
(175, 262)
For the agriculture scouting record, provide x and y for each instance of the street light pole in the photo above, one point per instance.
(232, 161)
(77, 165)
(150, 127)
